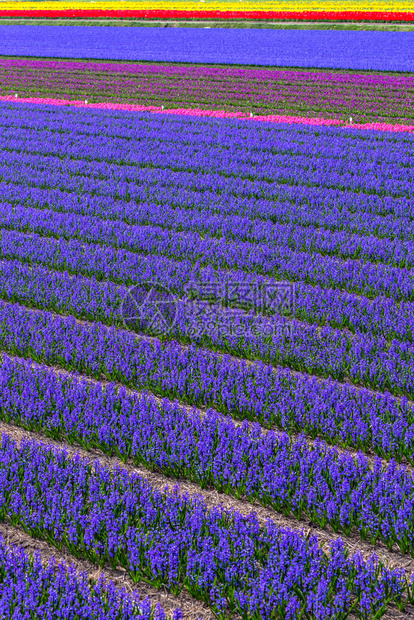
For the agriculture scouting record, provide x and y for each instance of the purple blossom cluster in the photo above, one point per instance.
(256, 168)
(222, 557)
(210, 261)
(214, 259)
(245, 219)
(33, 590)
(314, 304)
(373, 97)
(238, 253)
(336, 49)
(366, 360)
(293, 477)
(256, 392)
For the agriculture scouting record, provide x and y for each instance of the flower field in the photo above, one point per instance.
(222, 303)
(323, 10)
(378, 98)
(326, 49)
(206, 314)
(47, 591)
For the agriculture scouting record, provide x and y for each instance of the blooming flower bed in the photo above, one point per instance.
(378, 98)
(46, 591)
(328, 49)
(209, 211)
(219, 556)
(211, 9)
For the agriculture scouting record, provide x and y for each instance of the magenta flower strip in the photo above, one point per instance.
(277, 94)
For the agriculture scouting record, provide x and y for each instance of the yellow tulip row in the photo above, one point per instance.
(214, 5)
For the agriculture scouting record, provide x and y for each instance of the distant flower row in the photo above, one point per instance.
(263, 47)
(227, 5)
(113, 13)
(272, 118)
(211, 9)
(277, 95)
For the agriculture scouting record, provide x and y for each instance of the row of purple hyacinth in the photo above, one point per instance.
(363, 358)
(290, 476)
(314, 304)
(338, 244)
(256, 392)
(204, 172)
(131, 169)
(125, 266)
(245, 219)
(326, 352)
(172, 541)
(200, 185)
(316, 93)
(296, 237)
(130, 172)
(398, 143)
(287, 169)
(30, 589)
(279, 261)
(224, 215)
(249, 160)
(153, 175)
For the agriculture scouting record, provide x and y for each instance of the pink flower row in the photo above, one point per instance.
(273, 118)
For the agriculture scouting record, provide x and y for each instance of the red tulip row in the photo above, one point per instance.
(172, 14)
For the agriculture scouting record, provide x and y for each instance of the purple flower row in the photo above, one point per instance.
(30, 589)
(278, 141)
(236, 157)
(326, 352)
(124, 266)
(313, 303)
(260, 255)
(375, 97)
(380, 316)
(282, 262)
(245, 219)
(382, 426)
(257, 392)
(306, 271)
(290, 476)
(382, 51)
(223, 557)
(255, 172)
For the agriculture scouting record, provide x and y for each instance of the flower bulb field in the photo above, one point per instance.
(206, 319)
(321, 10)
(374, 97)
(324, 49)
